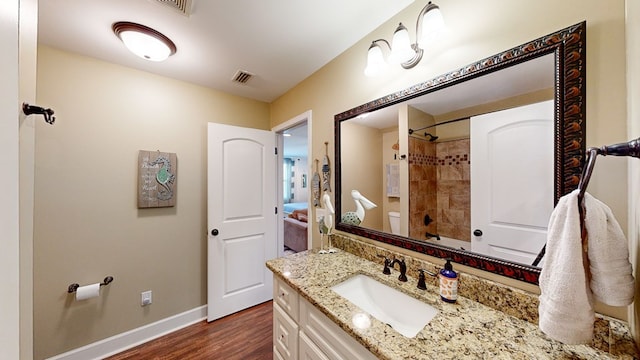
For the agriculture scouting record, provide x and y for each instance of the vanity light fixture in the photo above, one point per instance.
(144, 41)
(429, 27)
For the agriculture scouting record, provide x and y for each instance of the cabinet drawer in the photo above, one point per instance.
(285, 334)
(334, 342)
(286, 298)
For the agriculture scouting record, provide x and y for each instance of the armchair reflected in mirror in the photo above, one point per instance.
(469, 165)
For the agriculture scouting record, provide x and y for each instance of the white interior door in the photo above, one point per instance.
(512, 181)
(241, 218)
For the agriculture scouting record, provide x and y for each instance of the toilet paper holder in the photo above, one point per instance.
(73, 287)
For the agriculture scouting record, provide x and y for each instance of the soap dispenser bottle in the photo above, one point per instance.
(448, 283)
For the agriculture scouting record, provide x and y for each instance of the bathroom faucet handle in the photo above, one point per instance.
(430, 273)
(387, 262)
(421, 278)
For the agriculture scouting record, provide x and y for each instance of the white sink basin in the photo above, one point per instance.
(402, 312)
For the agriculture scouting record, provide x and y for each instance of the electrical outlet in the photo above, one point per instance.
(146, 298)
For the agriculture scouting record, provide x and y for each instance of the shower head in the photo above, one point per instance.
(432, 137)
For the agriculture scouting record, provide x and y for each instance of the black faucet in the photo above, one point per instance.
(403, 269)
(430, 235)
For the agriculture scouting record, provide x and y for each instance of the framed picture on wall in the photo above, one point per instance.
(157, 179)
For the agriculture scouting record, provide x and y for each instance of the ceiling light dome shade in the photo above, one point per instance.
(433, 26)
(144, 41)
(375, 61)
(401, 50)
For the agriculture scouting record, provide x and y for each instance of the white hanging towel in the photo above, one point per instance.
(566, 302)
(612, 281)
(566, 308)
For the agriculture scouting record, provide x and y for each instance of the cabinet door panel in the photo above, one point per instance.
(285, 334)
(276, 354)
(309, 351)
(328, 336)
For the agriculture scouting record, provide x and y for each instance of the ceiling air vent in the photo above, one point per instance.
(183, 6)
(242, 77)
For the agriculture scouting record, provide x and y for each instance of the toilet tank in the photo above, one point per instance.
(394, 221)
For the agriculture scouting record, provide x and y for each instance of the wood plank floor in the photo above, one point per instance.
(246, 335)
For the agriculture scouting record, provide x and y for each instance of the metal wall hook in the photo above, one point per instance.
(33, 109)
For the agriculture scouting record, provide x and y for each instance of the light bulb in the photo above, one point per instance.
(401, 50)
(433, 26)
(375, 61)
(145, 46)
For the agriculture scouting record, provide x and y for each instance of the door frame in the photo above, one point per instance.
(12, 252)
(279, 130)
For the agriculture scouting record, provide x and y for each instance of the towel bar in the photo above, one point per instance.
(630, 148)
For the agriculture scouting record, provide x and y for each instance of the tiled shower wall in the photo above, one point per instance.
(422, 187)
(439, 184)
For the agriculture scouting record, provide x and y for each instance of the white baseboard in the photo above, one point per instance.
(126, 340)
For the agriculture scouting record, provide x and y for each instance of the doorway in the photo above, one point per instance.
(294, 179)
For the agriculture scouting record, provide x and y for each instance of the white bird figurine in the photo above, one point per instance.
(328, 219)
(362, 204)
(329, 212)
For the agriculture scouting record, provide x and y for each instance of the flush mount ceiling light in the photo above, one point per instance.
(429, 27)
(144, 41)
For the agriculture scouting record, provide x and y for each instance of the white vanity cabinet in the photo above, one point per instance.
(300, 331)
(285, 321)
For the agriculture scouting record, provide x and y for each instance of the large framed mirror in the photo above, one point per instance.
(470, 164)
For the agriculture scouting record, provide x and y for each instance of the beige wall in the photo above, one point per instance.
(460, 129)
(419, 119)
(477, 30)
(364, 144)
(87, 225)
(389, 156)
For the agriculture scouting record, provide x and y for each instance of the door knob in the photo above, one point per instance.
(214, 232)
(477, 232)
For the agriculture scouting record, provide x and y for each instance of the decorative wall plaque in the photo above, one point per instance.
(157, 179)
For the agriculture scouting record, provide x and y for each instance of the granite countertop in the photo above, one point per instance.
(464, 330)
